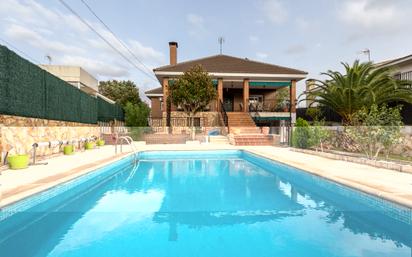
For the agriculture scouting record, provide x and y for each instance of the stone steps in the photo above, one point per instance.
(240, 119)
(218, 140)
(251, 139)
(245, 130)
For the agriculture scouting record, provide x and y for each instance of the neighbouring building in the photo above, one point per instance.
(78, 77)
(310, 85)
(244, 87)
(74, 75)
(402, 67)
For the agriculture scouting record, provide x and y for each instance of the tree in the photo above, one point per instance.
(362, 86)
(376, 129)
(136, 114)
(121, 92)
(193, 91)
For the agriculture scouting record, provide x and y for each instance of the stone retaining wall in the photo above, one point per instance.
(17, 134)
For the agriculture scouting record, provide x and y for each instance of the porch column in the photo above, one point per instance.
(293, 101)
(165, 111)
(165, 86)
(246, 95)
(219, 93)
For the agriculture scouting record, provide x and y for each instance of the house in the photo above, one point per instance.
(246, 89)
(402, 70)
(402, 67)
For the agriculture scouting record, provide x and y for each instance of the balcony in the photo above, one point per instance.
(404, 76)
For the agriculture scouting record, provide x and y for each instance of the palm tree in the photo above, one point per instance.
(362, 86)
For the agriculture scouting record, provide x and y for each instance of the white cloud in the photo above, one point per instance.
(196, 25)
(195, 20)
(253, 39)
(375, 17)
(36, 39)
(261, 55)
(274, 11)
(70, 42)
(302, 23)
(296, 49)
(260, 22)
(95, 66)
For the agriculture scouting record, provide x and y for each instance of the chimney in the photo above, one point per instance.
(173, 52)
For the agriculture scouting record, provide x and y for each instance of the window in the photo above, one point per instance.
(255, 99)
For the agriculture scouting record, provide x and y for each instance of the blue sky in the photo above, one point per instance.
(313, 35)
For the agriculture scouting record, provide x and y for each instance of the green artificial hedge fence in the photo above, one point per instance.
(106, 111)
(29, 91)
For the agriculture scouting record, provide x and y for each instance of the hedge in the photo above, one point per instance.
(29, 91)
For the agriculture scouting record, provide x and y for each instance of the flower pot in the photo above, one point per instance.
(89, 145)
(100, 142)
(17, 162)
(68, 149)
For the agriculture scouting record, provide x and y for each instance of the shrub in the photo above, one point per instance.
(376, 129)
(301, 134)
(318, 134)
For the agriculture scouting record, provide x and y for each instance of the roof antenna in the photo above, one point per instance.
(221, 40)
(367, 52)
(49, 58)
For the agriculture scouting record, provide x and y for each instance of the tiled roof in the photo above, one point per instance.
(156, 91)
(230, 64)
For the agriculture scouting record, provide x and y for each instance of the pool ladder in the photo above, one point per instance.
(129, 141)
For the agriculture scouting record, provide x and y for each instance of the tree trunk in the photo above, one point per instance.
(193, 127)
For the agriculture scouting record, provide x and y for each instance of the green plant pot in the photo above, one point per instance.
(17, 162)
(100, 142)
(68, 150)
(89, 145)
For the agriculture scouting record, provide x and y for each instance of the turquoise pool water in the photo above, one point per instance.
(223, 203)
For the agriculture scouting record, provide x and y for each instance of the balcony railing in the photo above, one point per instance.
(404, 76)
(267, 106)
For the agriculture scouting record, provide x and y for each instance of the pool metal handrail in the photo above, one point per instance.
(129, 141)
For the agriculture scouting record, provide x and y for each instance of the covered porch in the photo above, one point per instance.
(254, 96)
(258, 97)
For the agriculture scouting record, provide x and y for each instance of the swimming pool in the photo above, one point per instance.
(210, 203)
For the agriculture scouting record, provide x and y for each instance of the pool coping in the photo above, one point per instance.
(16, 194)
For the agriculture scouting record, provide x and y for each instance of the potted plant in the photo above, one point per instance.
(18, 161)
(100, 142)
(89, 145)
(68, 149)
